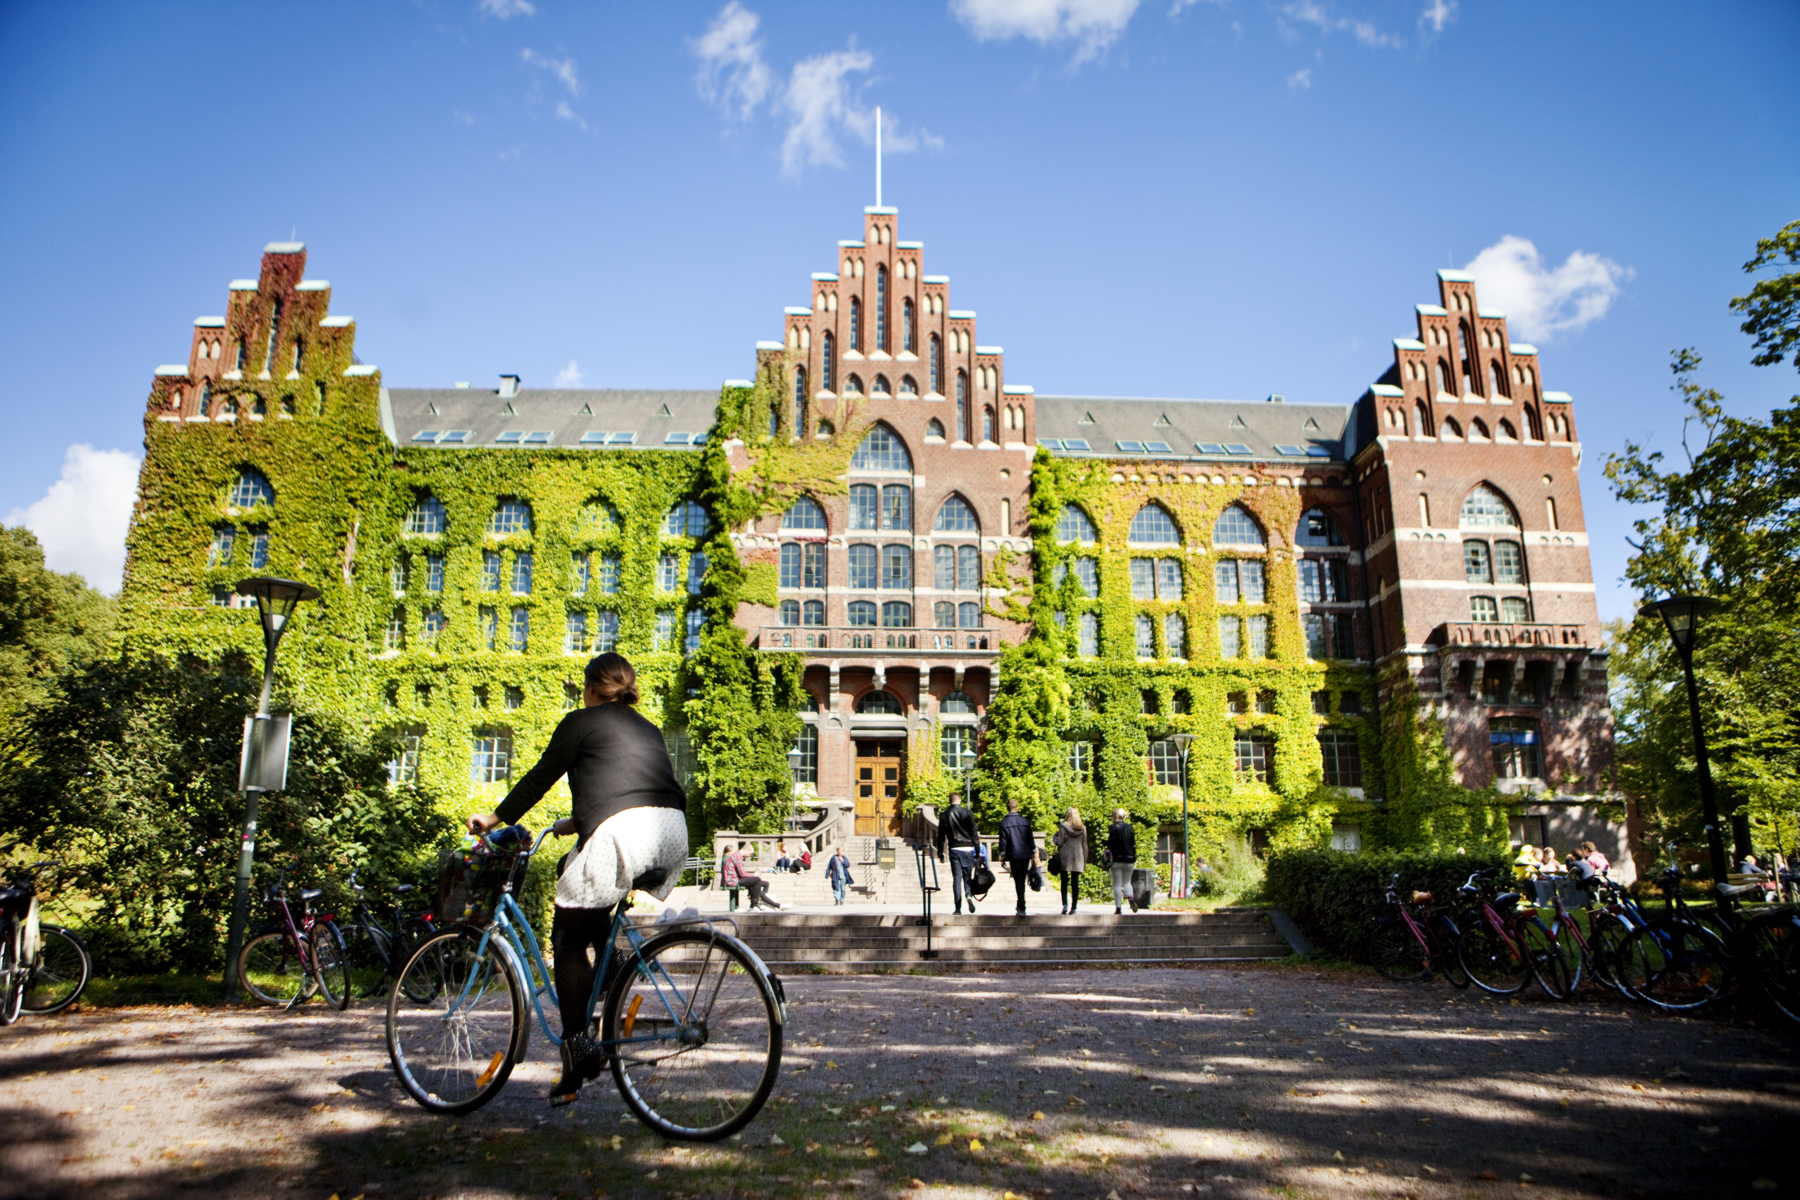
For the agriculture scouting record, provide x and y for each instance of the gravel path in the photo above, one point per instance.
(1079, 1085)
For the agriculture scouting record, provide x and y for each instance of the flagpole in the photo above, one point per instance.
(877, 156)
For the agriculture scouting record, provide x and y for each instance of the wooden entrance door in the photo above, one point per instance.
(878, 787)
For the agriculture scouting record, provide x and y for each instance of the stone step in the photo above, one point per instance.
(998, 942)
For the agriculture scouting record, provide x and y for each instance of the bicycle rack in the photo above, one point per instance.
(923, 858)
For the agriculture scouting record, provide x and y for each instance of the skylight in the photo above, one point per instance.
(594, 437)
(1157, 447)
(1236, 448)
(1076, 444)
(1290, 451)
(1210, 447)
(1130, 447)
(426, 435)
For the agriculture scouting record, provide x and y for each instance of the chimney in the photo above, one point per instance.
(509, 386)
(1277, 398)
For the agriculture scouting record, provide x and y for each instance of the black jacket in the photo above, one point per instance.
(957, 828)
(1121, 842)
(615, 760)
(1016, 842)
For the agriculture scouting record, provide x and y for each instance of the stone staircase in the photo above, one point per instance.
(879, 941)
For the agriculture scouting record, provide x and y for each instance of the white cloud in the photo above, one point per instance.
(1094, 24)
(565, 113)
(819, 100)
(506, 10)
(1311, 12)
(1541, 303)
(733, 74)
(1300, 81)
(563, 70)
(1437, 15)
(83, 518)
(1175, 9)
(569, 376)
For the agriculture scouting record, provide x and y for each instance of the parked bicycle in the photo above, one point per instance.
(1407, 944)
(286, 962)
(376, 950)
(1492, 947)
(43, 967)
(689, 1018)
(1681, 961)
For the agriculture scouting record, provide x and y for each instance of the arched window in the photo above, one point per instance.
(937, 365)
(1318, 529)
(962, 405)
(250, 489)
(1505, 432)
(856, 323)
(943, 614)
(1423, 416)
(1499, 379)
(1451, 429)
(865, 506)
(881, 386)
(908, 386)
(1236, 527)
(881, 310)
(827, 367)
(426, 518)
(687, 519)
(853, 385)
(1533, 425)
(934, 428)
(908, 329)
(243, 355)
(799, 401)
(774, 418)
(511, 515)
(1478, 430)
(1462, 341)
(1443, 377)
(968, 614)
(1074, 525)
(1175, 635)
(790, 611)
(1484, 508)
(957, 704)
(987, 423)
(881, 450)
(878, 704)
(1153, 526)
(205, 397)
(955, 516)
(896, 614)
(860, 612)
(804, 514)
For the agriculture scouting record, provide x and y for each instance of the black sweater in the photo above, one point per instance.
(615, 760)
(1121, 843)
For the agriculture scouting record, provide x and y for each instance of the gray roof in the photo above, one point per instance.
(1198, 430)
(482, 415)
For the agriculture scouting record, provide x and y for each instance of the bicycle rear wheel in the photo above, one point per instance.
(1548, 951)
(1494, 964)
(1674, 965)
(271, 971)
(455, 1050)
(60, 974)
(1774, 940)
(694, 1033)
(1396, 952)
(332, 964)
(1444, 936)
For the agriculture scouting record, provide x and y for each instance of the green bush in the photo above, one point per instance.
(1334, 897)
(1230, 874)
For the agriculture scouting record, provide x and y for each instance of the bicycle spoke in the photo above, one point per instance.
(60, 974)
(455, 1048)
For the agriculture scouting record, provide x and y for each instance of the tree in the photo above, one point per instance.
(48, 622)
(1773, 305)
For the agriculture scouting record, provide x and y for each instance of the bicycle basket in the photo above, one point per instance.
(472, 876)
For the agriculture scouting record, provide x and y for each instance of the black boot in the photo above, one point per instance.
(581, 1061)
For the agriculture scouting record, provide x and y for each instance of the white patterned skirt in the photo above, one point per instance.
(625, 846)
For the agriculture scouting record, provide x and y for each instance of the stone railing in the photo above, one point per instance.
(913, 641)
(760, 849)
(1523, 636)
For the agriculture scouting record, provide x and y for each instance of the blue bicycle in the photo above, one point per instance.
(689, 1018)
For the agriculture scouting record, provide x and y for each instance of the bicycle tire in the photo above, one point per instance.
(1674, 965)
(724, 1063)
(1549, 961)
(331, 964)
(1444, 935)
(1395, 952)
(1774, 941)
(1493, 964)
(12, 979)
(455, 1051)
(1609, 933)
(371, 951)
(268, 965)
(59, 975)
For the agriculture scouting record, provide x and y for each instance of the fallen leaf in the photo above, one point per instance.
(871, 1152)
(974, 1145)
(775, 1140)
(918, 1183)
(889, 1107)
(1037, 1116)
(917, 1148)
(1526, 1178)
(617, 1142)
(831, 1064)
(1338, 1157)
(1485, 1175)
(812, 1147)
(1112, 1196)
(652, 1175)
(945, 1140)
(1564, 1102)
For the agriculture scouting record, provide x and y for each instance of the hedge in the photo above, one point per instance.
(1334, 896)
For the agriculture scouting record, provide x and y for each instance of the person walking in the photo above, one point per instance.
(1071, 855)
(1121, 850)
(837, 871)
(957, 831)
(1017, 848)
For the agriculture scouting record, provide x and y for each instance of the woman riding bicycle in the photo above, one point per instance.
(631, 818)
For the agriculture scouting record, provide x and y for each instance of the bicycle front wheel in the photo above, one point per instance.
(12, 977)
(1547, 950)
(693, 1029)
(272, 972)
(1444, 936)
(60, 973)
(1397, 953)
(331, 964)
(1609, 934)
(1495, 963)
(1674, 965)
(455, 1049)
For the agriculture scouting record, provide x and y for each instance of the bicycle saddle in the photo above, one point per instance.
(311, 893)
(400, 889)
(1730, 891)
(1506, 899)
(653, 878)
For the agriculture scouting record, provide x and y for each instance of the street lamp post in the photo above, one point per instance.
(1182, 742)
(265, 749)
(1681, 614)
(967, 758)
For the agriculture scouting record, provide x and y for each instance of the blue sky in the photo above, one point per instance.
(1193, 199)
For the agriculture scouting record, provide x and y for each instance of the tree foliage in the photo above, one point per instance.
(1772, 309)
(48, 622)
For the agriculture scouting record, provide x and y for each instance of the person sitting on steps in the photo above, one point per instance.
(739, 875)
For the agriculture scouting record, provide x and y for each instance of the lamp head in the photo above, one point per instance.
(1681, 614)
(1182, 741)
(968, 756)
(795, 758)
(275, 601)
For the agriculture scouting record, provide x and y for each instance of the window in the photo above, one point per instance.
(863, 568)
(908, 333)
(1168, 579)
(580, 572)
(394, 638)
(987, 423)
(1086, 575)
(968, 615)
(1230, 635)
(609, 574)
(1313, 626)
(1081, 759)
(434, 624)
(1146, 636)
(943, 568)
(1483, 608)
(896, 566)
(598, 518)
(1236, 527)
(878, 704)
(881, 450)
(695, 621)
(806, 770)
(855, 330)
(1477, 567)
(1235, 580)
(1255, 754)
(1515, 610)
(434, 573)
(937, 369)
(1257, 629)
(962, 405)
(896, 508)
(510, 516)
(790, 612)
(865, 506)
(665, 630)
(909, 387)
(1342, 758)
(250, 490)
(492, 759)
(799, 401)
(426, 518)
(489, 619)
(1343, 636)
(1074, 525)
(223, 543)
(521, 573)
(1323, 581)
(861, 613)
(521, 629)
(881, 308)
(259, 548)
(688, 520)
(956, 568)
(827, 368)
(957, 704)
(490, 570)
(1087, 635)
(1317, 529)
(957, 739)
(1175, 635)
(606, 631)
(804, 514)
(1515, 747)
(803, 565)
(1164, 761)
(697, 564)
(1153, 526)
(1509, 563)
(1155, 579)
(955, 516)
(1483, 508)
(943, 614)
(404, 766)
(575, 633)
(896, 614)
(813, 613)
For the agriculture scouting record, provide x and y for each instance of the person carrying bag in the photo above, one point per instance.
(1071, 858)
(1018, 850)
